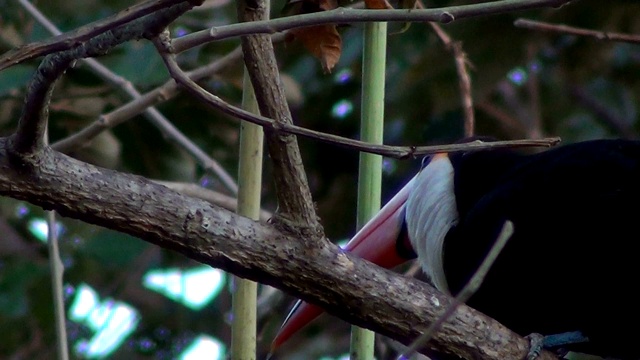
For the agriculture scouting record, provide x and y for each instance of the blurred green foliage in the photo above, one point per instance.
(585, 89)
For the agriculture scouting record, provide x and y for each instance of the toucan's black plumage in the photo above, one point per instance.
(571, 263)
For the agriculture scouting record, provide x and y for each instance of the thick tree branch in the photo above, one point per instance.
(214, 197)
(350, 15)
(295, 204)
(346, 286)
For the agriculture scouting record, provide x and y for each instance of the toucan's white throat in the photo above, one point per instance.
(430, 212)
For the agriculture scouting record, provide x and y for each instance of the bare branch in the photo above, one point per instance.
(570, 30)
(154, 116)
(350, 15)
(295, 204)
(396, 306)
(398, 152)
(464, 80)
(29, 136)
(135, 107)
(75, 38)
(32, 127)
(535, 130)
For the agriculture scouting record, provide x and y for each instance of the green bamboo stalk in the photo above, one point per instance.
(243, 325)
(370, 170)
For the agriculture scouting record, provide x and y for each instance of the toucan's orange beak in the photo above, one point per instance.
(376, 242)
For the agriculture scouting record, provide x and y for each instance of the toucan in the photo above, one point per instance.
(572, 263)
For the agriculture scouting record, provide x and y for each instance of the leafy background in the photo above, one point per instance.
(585, 89)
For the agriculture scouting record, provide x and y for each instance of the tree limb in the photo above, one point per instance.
(154, 115)
(295, 205)
(398, 152)
(350, 15)
(29, 137)
(346, 286)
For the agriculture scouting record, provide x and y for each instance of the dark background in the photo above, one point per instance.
(525, 84)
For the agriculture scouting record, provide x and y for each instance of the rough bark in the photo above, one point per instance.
(348, 287)
(295, 205)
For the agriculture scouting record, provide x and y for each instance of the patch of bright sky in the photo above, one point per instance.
(40, 229)
(193, 288)
(203, 347)
(112, 321)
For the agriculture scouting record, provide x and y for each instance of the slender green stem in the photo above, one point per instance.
(243, 333)
(370, 172)
(57, 271)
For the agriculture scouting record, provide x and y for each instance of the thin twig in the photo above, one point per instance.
(74, 38)
(398, 152)
(564, 29)
(57, 280)
(154, 116)
(350, 15)
(464, 80)
(29, 136)
(533, 86)
(57, 272)
(467, 291)
(136, 106)
(156, 96)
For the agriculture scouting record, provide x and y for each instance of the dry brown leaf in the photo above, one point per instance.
(328, 4)
(323, 41)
